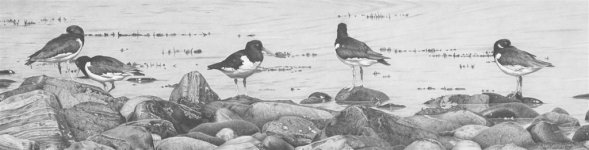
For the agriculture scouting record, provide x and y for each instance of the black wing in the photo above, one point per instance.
(103, 64)
(65, 43)
(232, 61)
(514, 56)
(352, 48)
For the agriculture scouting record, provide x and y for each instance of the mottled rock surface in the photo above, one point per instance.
(425, 144)
(183, 117)
(240, 127)
(468, 132)
(517, 110)
(347, 142)
(129, 106)
(8, 141)
(543, 132)
(163, 128)
(125, 137)
(203, 137)
(504, 133)
(361, 96)
(35, 116)
(91, 118)
(276, 143)
(364, 121)
(184, 143)
(193, 91)
(582, 134)
(88, 145)
(294, 130)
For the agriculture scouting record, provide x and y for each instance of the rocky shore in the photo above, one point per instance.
(50, 113)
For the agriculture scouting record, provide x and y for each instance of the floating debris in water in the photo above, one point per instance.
(443, 89)
(291, 69)
(466, 66)
(6, 72)
(153, 34)
(141, 80)
(170, 86)
(187, 52)
(28, 22)
(376, 16)
(289, 55)
(4, 83)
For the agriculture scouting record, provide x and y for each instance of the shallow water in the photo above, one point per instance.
(556, 30)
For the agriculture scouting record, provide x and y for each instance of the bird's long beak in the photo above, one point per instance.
(268, 52)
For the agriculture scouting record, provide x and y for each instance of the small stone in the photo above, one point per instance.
(425, 144)
(181, 143)
(226, 134)
(466, 145)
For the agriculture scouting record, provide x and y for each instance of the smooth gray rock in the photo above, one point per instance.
(294, 130)
(184, 143)
(91, 118)
(125, 137)
(361, 96)
(504, 133)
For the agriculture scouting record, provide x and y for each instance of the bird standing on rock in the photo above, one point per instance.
(106, 69)
(515, 62)
(60, 49)
(242, 63)
(355, 53)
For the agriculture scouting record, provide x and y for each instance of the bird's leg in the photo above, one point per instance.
(354, 74)
(59, 67)
(361, 77)
(236, 87)
(244, 86)
(113, 86)
(68, 69)
(103, 85)
(518, 94)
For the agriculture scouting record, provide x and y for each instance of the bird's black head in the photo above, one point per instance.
(74, 29)
(500, 44)
(81, 63)
(254, 45)
(342, 30)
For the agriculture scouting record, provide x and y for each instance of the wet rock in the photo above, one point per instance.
(4, 83)
(560, 111)
(582, 96)
(543, 132)
(294, 130)
(276, 143)
(184, 143)
(6, 72)
(241, 143)
(364, 121)
(163, 128)
(564, 122)
(495, 98)
(69, 93)
(425, 144)
(262, 112)
(582, 134)
(516, 110)
(224, 114)
(226, 134)
(347, 142)
(432, 124)
(88, 145)
(117, 103)
(463, 117)
(468, 132)
(391, 106)
(8, 141)
(317, 97)
(35, 116)
(476, 103)
(183, 117)
(125, 137)
(203, 137)
(504, 133)
(129, 106)
(557, 146)
(466, 145)
(532, 102)
(238, 104)
(360, 96)
(510, 146)
(193, 91)
(141, 80)
(437, 111)
(240, 127)
(91, 118)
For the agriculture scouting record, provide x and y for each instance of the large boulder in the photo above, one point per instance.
(543, 132)
(475, 103)
(423, 144)
(463, 117)
(240, 127)
(8, 141)
(582, 134)
(193, 91)
(347, 142)
(276, 143)
(294, 130)
(468, 132)
(565, 123)
(510, 110)
(88, 145)
(504, 133)
(183, 117)
(432, 124)
(182, 143)
(241, 143)
(129, 106)
(35, 116)
(364, 121)
(125, 137)
(163, 128)
(361, 96)
(69, 93)
(90, 118)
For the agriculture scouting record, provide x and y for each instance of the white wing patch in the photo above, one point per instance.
(109, 76)
(247, 64)
(497, 56)
(499, 45)
(337, 45)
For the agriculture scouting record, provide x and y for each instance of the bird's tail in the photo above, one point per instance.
(382, 61)
(136, 72)
(544, 64)
(215, 66)
(29, 62)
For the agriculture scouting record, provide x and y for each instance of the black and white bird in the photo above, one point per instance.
(106, 69)
(515, 62)
(60, 49)
(355, 53)
(242, 63)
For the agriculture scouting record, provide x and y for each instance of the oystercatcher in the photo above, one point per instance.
(515, 62)
(355, 53)
(60, 49)
(243, 63)
(106, 69)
